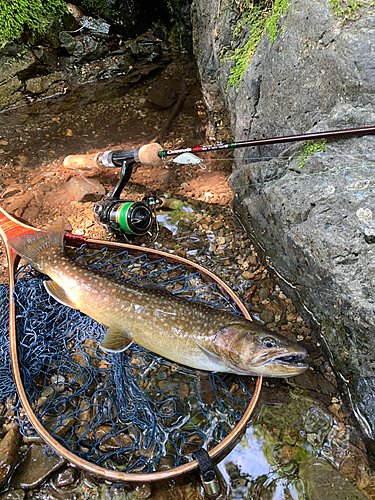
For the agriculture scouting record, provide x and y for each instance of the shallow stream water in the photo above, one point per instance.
(302, 441)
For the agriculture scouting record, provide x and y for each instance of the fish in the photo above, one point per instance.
(187, 332)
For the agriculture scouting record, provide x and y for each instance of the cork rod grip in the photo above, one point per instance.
(82, 162)
(148, 154)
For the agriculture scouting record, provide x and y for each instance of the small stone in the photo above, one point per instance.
(13, 495)
(65, 478)
(9, 454)
(84, 190)
(35, 468)
(121, 440)
(216, 225)
(59, 382)
(20, 202)
(31, 213)
(270, 326)
(247, 275)
(263, 294)
(288, 454)
(323, 481)
(184, 390)
(23, 161)
(250, 293)
(143, 491)
(267, 316)
(163, 94)
(291, 317)
(334, 408)
(252, 260)
(286, 328)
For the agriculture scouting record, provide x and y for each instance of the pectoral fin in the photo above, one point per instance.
(58, 293)
(116, 340)
(215, 360)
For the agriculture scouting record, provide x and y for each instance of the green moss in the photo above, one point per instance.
(261, 17)
(29, 17)
(310, 148)
(347, 9)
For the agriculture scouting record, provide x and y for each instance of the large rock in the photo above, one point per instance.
(317, 221)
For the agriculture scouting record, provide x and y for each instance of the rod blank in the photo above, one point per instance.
(273, 140)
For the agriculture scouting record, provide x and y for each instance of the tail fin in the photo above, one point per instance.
(31, 246)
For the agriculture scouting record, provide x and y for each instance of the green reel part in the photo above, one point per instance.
(134, 217)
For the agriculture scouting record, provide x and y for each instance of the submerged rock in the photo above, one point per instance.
(324, 482)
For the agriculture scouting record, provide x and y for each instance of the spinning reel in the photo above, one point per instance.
(118, 216)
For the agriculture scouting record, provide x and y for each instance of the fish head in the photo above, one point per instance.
(248, 348)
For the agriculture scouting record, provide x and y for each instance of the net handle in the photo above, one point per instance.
(9, 227)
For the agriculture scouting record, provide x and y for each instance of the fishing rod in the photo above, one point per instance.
(153, 154)
(128, 217)
(272, 140)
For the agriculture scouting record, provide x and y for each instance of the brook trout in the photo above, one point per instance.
(187, 332)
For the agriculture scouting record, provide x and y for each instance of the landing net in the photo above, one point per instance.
(132, 411)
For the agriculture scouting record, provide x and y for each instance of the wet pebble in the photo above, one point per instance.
(263, 294)
(142, 492)
(13, 494)
(267, 316)
(65, 478)
(9, 454)
(323, 482)
(35, 468)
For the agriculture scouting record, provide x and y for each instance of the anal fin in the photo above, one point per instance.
(116, 340)
(58, 293)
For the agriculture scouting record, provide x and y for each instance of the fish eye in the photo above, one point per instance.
(269, 342)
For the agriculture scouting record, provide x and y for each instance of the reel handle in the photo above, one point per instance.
(147, 155)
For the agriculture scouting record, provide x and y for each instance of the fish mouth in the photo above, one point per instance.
(286, 362)
(290, 359)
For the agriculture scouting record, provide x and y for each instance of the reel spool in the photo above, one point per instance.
(124, 216)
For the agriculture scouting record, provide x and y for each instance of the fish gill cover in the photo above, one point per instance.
(132, 411)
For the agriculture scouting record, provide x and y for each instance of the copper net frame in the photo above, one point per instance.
(10, 227)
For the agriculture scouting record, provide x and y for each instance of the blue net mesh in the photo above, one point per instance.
(132, 411)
